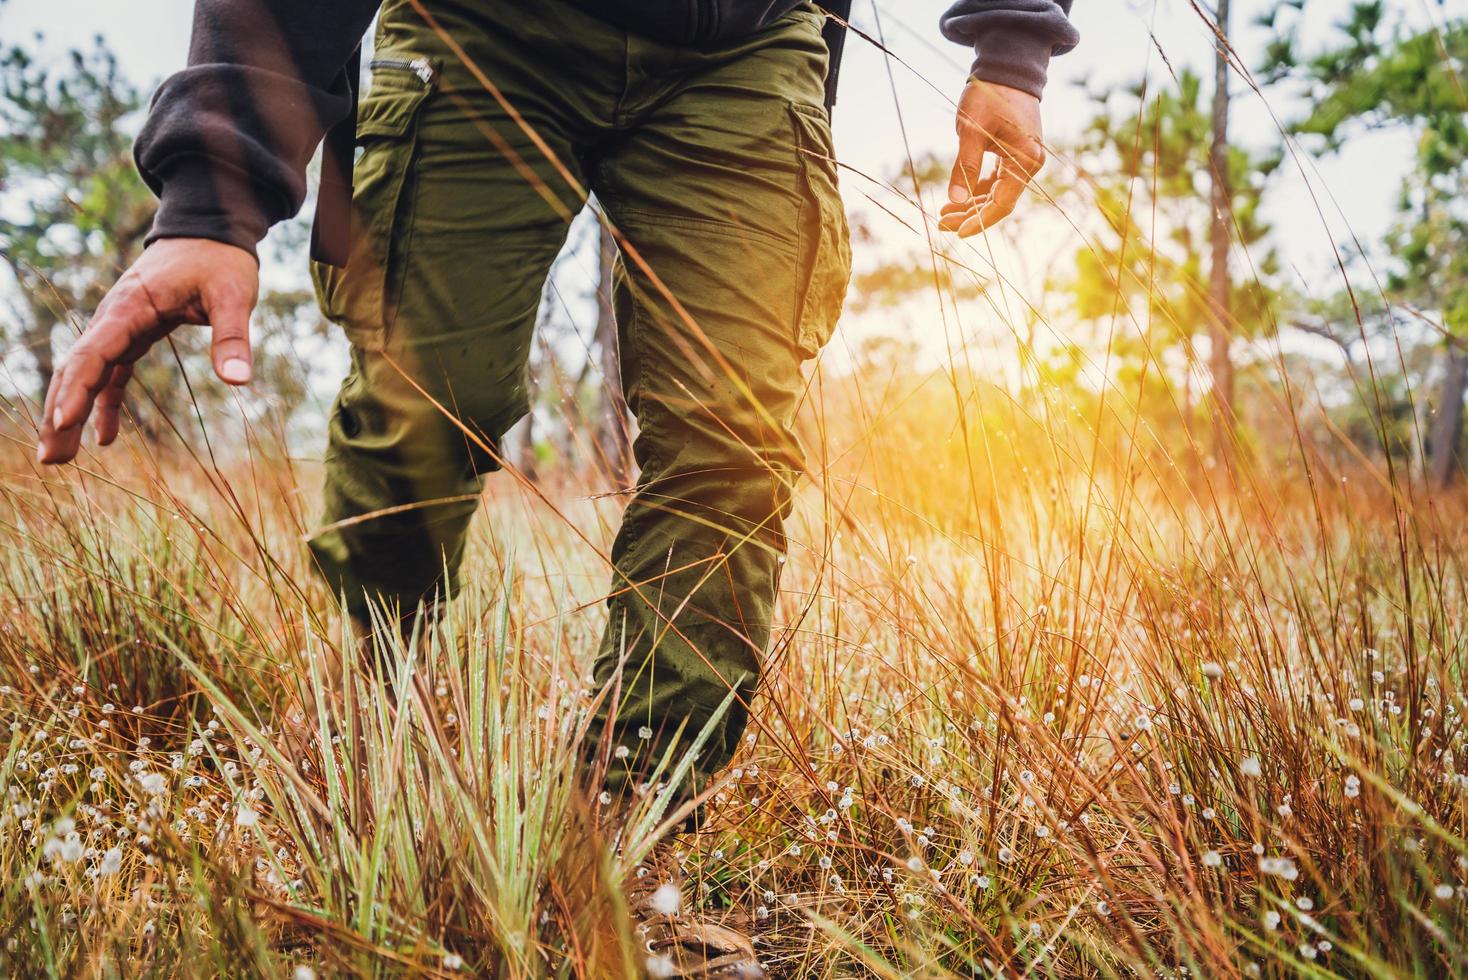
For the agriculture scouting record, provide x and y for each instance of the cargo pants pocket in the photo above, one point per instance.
(362, 297)
(824, 237)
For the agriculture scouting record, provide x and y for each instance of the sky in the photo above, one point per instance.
(1314, 204)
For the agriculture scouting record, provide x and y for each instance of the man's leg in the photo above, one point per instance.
(735, 260)
(460, 214)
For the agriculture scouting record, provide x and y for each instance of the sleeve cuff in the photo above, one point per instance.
(1018, 59)
(204, 199)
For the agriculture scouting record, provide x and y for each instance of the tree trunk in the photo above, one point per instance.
(1220, 360)
(613, 440)
(1447, 423)
(1421, 419)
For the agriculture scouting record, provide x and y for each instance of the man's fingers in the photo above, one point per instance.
(57, 444)
(68, 403)
(230, 351)
(1006, 194)
(123, 326)
(116, 333)
(44, 449)
(109, 404)
(174, 281)
(952, 215)
(87, 371)
(61, 446)
(969, 167)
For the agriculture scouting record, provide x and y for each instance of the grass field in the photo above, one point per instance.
(1044, 701)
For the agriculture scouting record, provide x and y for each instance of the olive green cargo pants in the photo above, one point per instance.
(486, 124)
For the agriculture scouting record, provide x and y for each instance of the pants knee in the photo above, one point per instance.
(433, 430)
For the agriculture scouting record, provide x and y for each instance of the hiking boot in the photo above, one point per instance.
(683, 942)
(678, 941)
(689, 947)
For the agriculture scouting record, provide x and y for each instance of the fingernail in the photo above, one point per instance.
(56, 418)
(235, 371)
(957, 194)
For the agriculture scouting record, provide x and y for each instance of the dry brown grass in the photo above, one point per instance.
(1039, 703)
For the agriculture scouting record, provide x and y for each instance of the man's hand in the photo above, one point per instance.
(176, 281)
(1005, 122)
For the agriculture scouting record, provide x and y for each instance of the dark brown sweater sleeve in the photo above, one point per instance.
(227, 140)
(1013, 40)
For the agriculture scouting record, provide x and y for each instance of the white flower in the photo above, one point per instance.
(111, 862)
(246, 817)
(66, 849)
(644, 733)
(1250, 767)
(1212, 671)
(303, 972)
(1356, 704)
(1281, 867)
(1212, 859)
(667, 900)
(153, 783)
(453, 961)
(661, 966)
(1443, 892)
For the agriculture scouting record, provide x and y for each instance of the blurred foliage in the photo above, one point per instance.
(1378, 74)
(65, 158)
(1144, 159)
(929, 267)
